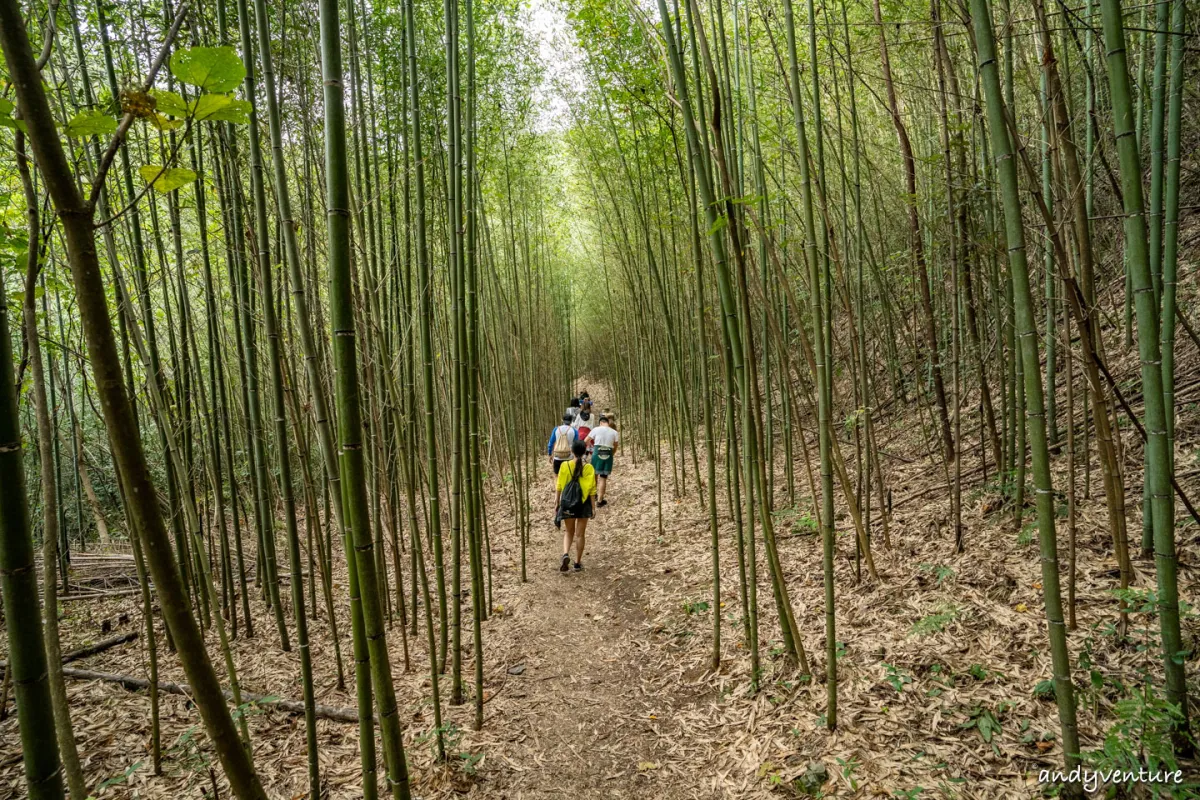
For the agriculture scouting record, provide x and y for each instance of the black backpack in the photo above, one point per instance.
(571, 502)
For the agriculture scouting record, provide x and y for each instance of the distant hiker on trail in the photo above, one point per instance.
(584, 422)
(559, 446)
(576, 489)
(572, 410)
(604, 439)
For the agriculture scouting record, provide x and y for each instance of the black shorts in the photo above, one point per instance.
(587, 512)
(558, 464)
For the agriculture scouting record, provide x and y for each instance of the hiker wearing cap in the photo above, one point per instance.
(575, 490)
(604, 439)
(559, 446)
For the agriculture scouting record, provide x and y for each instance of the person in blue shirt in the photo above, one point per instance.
(559, 447)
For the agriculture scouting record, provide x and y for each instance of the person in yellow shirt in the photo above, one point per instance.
(573, 502)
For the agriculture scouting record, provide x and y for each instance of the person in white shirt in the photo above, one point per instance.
(572, 410)
(604, 439)
(584, 421)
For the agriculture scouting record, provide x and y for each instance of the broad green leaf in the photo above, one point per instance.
(6, 120)
(92, 122)
(165, 123)
(214, 69)
(170, 103)
(206, 105)
(235, 110)
(166, 180)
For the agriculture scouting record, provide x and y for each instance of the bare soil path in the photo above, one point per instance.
(597, 684)
(587, 679)
(590, 713)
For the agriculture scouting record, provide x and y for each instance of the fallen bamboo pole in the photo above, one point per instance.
(134, 684)
(90, 650)
(99, 647)
(100, 595)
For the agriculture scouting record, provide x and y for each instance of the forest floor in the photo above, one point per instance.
(598, 685)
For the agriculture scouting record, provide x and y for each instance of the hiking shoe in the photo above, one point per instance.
(578, 567)
(566, 563)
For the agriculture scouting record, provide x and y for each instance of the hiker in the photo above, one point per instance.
(576, 489)
(572, 410)
(584, 422)
(604, 440)
(559, 446)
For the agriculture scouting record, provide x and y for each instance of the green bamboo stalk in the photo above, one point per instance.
(77, 214)
(1027, 336)
(349, 415)
(263, 254)
(36, 715)
(1158, 457)
(822, 371)
(1171, 219)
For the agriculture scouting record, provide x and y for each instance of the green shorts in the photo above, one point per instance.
(602, 461)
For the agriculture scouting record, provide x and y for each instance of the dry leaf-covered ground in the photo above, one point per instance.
(598, 684)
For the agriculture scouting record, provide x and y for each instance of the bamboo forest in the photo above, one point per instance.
(538, 399)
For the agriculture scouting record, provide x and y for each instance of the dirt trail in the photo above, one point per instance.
(595, 683)
(589, 715)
